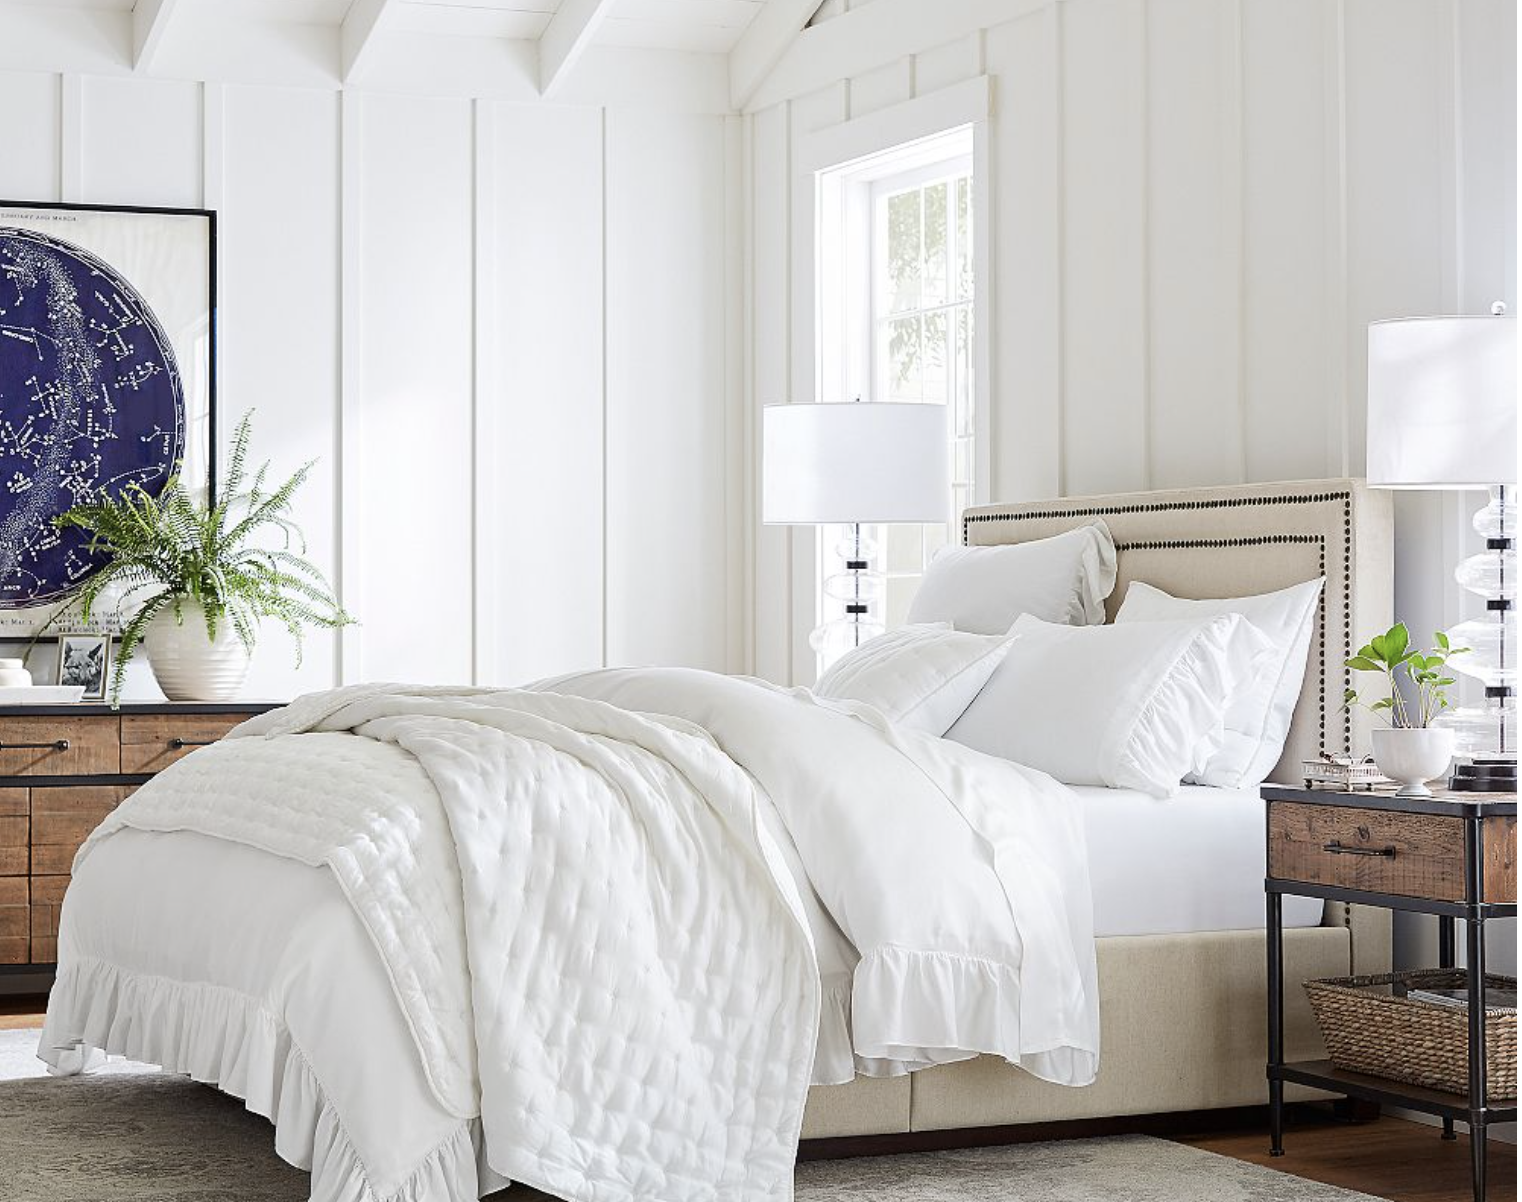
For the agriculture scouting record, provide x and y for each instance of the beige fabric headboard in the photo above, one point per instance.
(1237, 540)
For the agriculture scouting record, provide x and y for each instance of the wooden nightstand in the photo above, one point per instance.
(1452, 855)
(63, 768)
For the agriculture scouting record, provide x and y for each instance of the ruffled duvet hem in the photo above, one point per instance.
(220, 1037)
(926, 1008)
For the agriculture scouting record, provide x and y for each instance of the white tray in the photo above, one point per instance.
(42, 694)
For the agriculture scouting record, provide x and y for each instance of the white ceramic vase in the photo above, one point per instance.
(1413, 757)
(189, 666)
(13, 674)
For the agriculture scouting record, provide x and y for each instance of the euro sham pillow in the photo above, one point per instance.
(1129, 707)
(1258, 718)
(919, 676)
(982, 590)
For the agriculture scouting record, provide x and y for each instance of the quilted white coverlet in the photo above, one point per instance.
(597, 925)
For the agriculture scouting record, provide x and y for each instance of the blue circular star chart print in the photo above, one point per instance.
(90, 399)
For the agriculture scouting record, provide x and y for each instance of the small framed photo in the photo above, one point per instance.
(83, 660)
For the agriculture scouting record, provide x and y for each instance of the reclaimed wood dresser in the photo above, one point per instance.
(63, 768)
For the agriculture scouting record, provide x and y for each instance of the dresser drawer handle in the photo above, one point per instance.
(1338, 849)
(176, 744)
(55, 745)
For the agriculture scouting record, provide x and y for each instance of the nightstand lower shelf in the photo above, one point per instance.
(1323, 1074)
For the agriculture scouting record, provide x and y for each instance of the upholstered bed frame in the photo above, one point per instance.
(1183, 1016)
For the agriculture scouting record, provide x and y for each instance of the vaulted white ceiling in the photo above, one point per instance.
(751, 33)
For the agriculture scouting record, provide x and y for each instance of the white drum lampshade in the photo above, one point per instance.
(854, 462)
(1443, 402)
(1443, 416)
(862, 462)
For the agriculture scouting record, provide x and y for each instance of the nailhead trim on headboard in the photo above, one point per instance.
(1099, 511)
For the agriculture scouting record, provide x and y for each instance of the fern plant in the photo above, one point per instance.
(162, 551)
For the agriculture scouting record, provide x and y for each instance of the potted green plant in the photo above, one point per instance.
(199, 579)
(1411, 749)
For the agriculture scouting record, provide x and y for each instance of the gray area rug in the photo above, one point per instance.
(137, 1135)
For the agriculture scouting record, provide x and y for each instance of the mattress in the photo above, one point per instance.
(1191, 862)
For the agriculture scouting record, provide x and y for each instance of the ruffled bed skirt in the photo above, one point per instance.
(220, 1037)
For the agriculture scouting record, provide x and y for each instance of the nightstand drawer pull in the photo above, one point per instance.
(55, 745)
(1340, 849)
(179, 743)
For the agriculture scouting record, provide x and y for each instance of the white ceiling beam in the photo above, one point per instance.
(568, 34)
(150, 18)
(762, 45)
(357, 34)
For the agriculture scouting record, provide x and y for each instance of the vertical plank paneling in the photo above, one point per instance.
(739, 514)
(1395, 229)
(542, 494)
(1104, 315)
(941, 66)
(415, 442)
(889, 84)
(1289, 324)
(351, 491)
(829, 106)
(123, 166)
(666, 526)
(1193, 239)
(771, 197)
(29, 166)
(287, 371)
(1026, 158)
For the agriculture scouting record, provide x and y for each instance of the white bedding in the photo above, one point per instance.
(961, 886)
(1191, 862)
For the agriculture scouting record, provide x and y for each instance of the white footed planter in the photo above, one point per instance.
(1413, 757)
(187, 664)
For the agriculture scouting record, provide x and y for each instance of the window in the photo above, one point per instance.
(896, 321)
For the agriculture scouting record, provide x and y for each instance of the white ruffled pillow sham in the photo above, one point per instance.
(1130, 707)
(1258, 719)
(983, 590)
(919, 676)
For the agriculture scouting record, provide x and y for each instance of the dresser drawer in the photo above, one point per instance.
(151, 742)
(63, 818)
(1412, 855)
(59, 746)
(15, 920)
(15, 832)
(47, 906)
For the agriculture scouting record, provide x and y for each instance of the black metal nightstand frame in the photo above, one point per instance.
(1474, 912)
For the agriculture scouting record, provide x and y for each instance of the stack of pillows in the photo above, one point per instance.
(1006, 651)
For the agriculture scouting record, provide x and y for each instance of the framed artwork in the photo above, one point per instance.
(84, 661)
(108, 377)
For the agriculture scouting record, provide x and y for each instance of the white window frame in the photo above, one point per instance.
(823, 160)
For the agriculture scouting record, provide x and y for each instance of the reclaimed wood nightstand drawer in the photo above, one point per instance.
(15, 832)
(59, 746)
(63, 818)
(15, 920)
(1384, 851)
(151, 742)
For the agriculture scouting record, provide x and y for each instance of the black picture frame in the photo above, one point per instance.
(124, 238)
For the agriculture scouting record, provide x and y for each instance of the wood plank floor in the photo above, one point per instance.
(1389, 1158)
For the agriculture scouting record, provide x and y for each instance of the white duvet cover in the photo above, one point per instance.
(592, 941)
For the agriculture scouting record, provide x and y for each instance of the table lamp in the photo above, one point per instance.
(851, 464)
(1443, 415)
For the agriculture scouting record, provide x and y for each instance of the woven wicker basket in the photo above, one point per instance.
(1368, 1030)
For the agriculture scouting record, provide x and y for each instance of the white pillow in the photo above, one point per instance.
(1124, 706)
(1065, 578)
(921, 676)
(1258, 718)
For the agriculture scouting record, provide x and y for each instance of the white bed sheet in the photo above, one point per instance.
(1191, 862)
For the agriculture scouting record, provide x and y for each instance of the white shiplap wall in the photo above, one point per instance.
(509, 332)
(1197, 208)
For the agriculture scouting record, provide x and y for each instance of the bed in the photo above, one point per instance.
(190, 975)
(1181, 1011)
